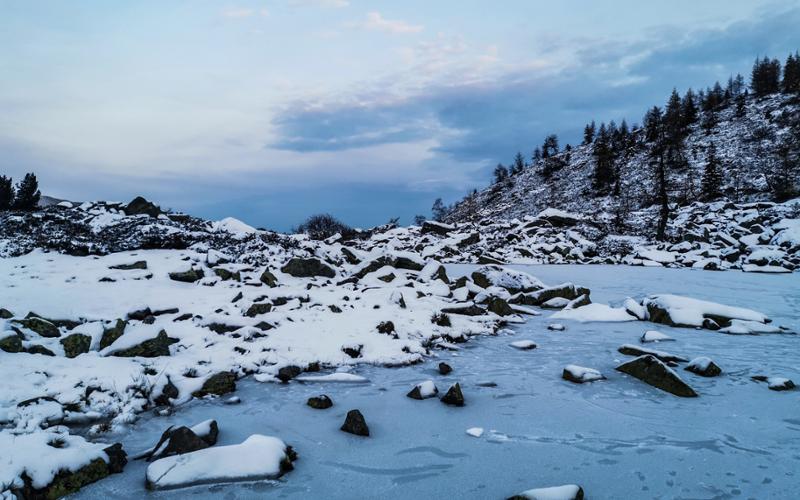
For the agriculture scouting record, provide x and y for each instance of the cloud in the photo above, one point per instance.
(334, 4)
(244, 12)
(376, 22)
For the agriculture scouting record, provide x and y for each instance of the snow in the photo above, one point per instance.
(258, 457)
(594, 312)
(701, 363)
(742, 327)
(233, 226)
(475, 431)
(655, 336)
(523, 344)
(427, 389)
(752, 268)
(584, 374)
(692, 312)
(333, 377)
(660, 256)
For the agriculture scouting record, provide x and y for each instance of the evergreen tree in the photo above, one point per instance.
(791, 74)
(537, 156)
(765, 77)
(419, 220)
(519, 164)
(438, 210)
(588, 133)
(6, 193)
(603, 176)
(28, 194)
(673, 121)
(689, 109)
(741, 101)
(652, 124)
(500, 173)
(550, 146)
(712, 176)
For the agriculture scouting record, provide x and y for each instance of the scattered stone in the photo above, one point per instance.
(523, 345)
(423, 390)
(5, 313)
(307, 268)
(353, 351)
(632, 350)
(217, 385)
(257, 309)
(436, 228)
(499, 306)
(566, 492)
(654, 336)
(454, 396)
(269, 279)
(176, 441)
(580, 374)
(321, 402)
(139, 264)
(471, 310)
(386, 327)
(354, 423)
(140, 206)
(189, 276)
(444, 368)
(287, 373)
(775, 383)
(11, 343)
(140, 314)
(704, 367)
(153, 348)
(556, 327)
(38, 349)
(168, 393)
(76, 344)
(41, 326)
(233, 400)
(653, 371)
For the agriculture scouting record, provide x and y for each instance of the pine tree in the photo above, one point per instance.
(550, 146)
(741, 101)
(765, 77)
(791, 74)
(500, 173)
(519, 164)
(438, 210)
(537, 156)
(712, 177)
(6, 193)
(588, 133)
(652, 124)
(28, 194)
(689, 109)
(603, 176)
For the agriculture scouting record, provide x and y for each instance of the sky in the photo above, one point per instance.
(270, 111)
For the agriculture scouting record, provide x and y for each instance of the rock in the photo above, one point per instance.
(177, 441)
(632, 350)
(287, 373)
(354, 423)
(222, 328)
(423, 390)
(169, 392)
(654, 336)
(775, 383)
(523, 345)
(407, 264)
(441, 319)
(556, 327)
(41, 326)
(153, 348)
(217, 385)
(258, 309)
(353, 351)
(444, 368)
(139, 206)
(472, 239)
(307, 268)
(653, 371)
(76, 344)
(39, 349)
(140, 314)
(11, 343)
(269, 279)
(386, 327)
(555, 303)
(485, 259)
(566, 492)
(65, 482)
(471, 310)
(387, 278)
(321, 402)
(139, 264)
(225, 274)
(189, 276)
(566, 291)
(454, 396)
(704, 367)
(580, 374)
(436, 228)
(5, 313)
(499, 306)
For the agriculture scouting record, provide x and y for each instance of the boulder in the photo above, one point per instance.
(168, 393)
(189, 276)
(566, 291)
(39, 349)
(11, 343)
(775, 383)
(76, 344)
(423, 390)
(41, 326)
(523, 345)
(321, 402)
(257, 309)
(354, 351)
(704, 367)
(566, 492)
(139, 206)
(471, 310)
(217, 385)
(632, 350)
(5, 313)
(499, 306)
(653, 371)
(444, 368)
(225, 274)
(580, 374)
(307, 268)
(354, 423)
(386, 327)
(153, 348)
(454, 396)
(177, 441)
(287, 373)
(436, 228)
(139, 264)
(268, 279)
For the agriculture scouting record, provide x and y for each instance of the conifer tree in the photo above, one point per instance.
(519, 164)
(791, 74)
(500, 173)
(689, 109)
(6, 193)
(27, 197)
(588, 133)
(550, 146)
(712, 176)
(438, 210)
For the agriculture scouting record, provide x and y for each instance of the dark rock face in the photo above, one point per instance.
(472, 310)
(415, 393)
(167, 393)
(631, 350)
(353, 351)
(407, 264)
(287, 373)
(435, 228)
(710, 370)
(177, 441)
(579, 495)
(653, 371)
(76, 344)
(321, 402)
(139, 206)
(66, 483)
(38, 349)
(454, 396)
(152, 348)
(257, 309)
(567, 291)
(499, 306)
(218, 384)
(139, 264)
(189, 276)
(386, 327)
(354, 423)
(444, 368)
(5, 313)
(11, 344)
(307, 268)
(41, 326)
(269, 279)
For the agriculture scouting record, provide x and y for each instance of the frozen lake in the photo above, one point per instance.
(618, 438)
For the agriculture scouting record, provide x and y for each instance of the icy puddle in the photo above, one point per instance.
(618, 438)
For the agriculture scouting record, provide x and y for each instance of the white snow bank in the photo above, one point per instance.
(583, 374)
(692, 312)
(333, 377)
(523, 345)
(595, 312)
(655, 336)
(566, 492)
(233, 226)
(475, 431)
(258, 457)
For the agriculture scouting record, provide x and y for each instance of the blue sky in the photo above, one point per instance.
(273, 110)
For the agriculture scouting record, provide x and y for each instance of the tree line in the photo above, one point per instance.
(662, 135)
(24, 196)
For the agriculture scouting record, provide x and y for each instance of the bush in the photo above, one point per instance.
(322, 226)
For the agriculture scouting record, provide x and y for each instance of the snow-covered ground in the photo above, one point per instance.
(617, 438)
